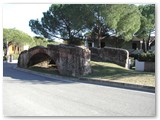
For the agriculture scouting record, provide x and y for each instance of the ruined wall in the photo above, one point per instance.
(109, 54)
(25, 57)
(70, 60)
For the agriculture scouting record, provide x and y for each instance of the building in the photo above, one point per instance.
(132, 45)
(12, 49)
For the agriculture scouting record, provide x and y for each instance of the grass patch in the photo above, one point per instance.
(110, 71)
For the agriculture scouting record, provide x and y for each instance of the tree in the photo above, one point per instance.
(64, 21)
(147, 23)
(100, 29)
(17, 37)
(123, 19)
(40, 41)
(119, 20)
(70, 21)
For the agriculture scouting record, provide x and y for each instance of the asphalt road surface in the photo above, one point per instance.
(26, 94)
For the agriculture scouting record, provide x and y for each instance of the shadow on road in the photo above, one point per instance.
(16, 75)
(12, 75)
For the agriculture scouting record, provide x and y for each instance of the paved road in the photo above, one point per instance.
(32, 95)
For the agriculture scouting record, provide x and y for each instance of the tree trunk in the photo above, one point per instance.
(144, 45)
(99, 43)
(148, 40)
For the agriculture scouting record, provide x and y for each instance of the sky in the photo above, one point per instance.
(18, 15)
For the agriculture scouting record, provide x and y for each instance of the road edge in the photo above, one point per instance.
(93, 81)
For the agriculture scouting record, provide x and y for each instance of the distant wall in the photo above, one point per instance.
(110, 54)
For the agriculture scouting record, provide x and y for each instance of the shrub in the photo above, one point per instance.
(147, 57)
(4, 58)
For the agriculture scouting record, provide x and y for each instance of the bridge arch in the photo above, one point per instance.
(35, 55)
(39, 58)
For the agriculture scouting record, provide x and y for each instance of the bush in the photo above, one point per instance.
(4, 58)
(147, 57)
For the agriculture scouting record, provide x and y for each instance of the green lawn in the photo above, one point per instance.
(110, 71)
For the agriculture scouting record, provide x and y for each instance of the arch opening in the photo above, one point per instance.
(43, 63)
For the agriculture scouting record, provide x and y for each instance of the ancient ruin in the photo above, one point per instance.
(109, 54)
(70, 60)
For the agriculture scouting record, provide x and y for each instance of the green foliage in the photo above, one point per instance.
(124, 19)
(17, 37)
(64, 21)
(40, 41)
(148, 57)
(147, 24)
(69, 21)
(147, 21)
(4, 58)
(120, 20)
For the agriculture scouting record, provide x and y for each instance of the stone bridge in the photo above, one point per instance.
(70, 60)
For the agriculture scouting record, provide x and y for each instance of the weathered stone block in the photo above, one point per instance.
(109, 54)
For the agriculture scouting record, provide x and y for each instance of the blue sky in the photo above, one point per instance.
(18, 15)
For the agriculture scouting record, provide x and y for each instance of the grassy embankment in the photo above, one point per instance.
(113, 72)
